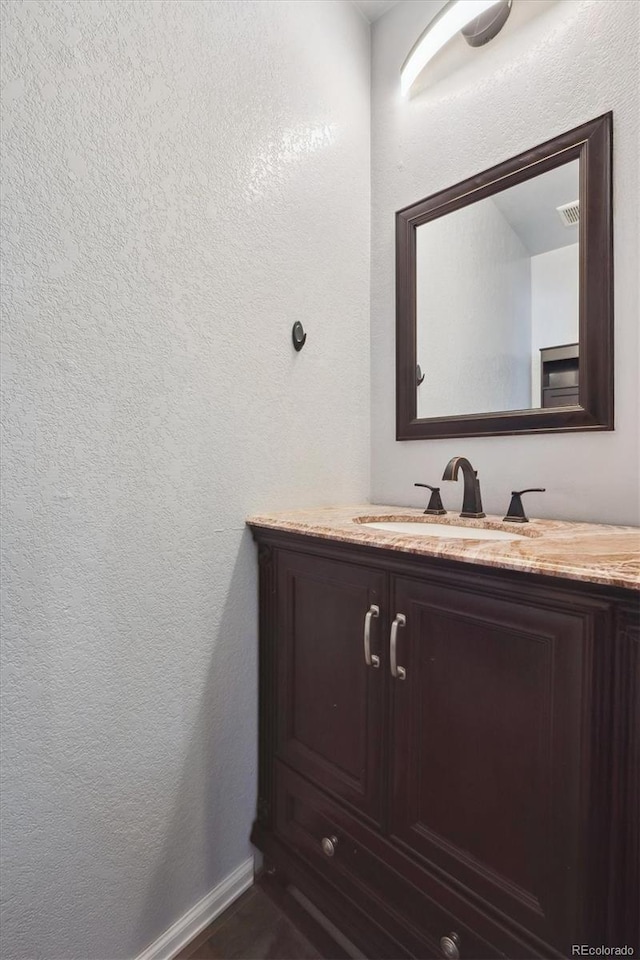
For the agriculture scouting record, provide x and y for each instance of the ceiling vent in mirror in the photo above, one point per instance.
(569, 213)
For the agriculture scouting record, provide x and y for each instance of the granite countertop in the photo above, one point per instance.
(595, 553)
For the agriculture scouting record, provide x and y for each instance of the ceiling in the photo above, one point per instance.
(530, 208)
(373, 9)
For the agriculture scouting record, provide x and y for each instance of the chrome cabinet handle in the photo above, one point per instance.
(398, 672)
(371, 661)
(329, 845)
(449, 946)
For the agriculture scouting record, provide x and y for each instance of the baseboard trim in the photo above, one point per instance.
(184, 930)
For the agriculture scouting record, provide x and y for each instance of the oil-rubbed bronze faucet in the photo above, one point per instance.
(471, 500)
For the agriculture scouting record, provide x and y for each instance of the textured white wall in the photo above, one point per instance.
(554, 306)
(554, 65)
(183, 180)
(473, 308)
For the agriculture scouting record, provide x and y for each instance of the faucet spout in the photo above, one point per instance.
(472, 499)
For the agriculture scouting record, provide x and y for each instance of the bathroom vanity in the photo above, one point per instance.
(450, 731)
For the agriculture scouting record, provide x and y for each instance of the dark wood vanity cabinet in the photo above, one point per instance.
(483, 805)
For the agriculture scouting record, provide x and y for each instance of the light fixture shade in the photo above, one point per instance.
(453, 17)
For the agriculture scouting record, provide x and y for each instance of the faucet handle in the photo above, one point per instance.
(435, 507)
(516, 513)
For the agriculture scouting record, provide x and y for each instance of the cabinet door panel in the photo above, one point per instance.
(330, 721)
(490, 749)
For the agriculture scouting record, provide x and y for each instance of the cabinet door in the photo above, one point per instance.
(330, 709)
(490, 749)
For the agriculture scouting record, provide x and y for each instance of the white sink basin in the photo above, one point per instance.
(445, 531)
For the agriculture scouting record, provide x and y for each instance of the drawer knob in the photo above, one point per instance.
(449, 946)
(329, 845)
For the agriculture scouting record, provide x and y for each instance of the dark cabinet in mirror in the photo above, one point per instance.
(504, 287)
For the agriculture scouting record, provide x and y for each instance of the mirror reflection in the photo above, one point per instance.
(497, 301)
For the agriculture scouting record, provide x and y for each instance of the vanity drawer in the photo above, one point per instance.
(559, 396)
(356, 861)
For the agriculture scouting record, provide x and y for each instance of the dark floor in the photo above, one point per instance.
(252, 928)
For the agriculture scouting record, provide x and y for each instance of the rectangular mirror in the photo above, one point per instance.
(504, 297)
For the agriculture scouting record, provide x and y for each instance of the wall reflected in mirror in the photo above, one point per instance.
(497, 301)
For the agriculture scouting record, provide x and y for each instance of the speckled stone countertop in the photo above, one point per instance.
(595, 553)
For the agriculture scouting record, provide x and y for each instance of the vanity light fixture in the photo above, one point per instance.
(478, 20)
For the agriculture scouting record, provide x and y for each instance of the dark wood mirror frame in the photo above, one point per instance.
(591, 144)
